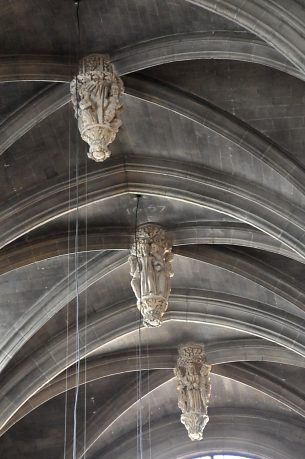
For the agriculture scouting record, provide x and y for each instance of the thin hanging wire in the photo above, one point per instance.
(76, 257)
(68, 279)
(149, 408)
(86, 317)
(69, 284)
(139, 351)
(85, 236)
(85, 325)
(86, 314)
(68, 267)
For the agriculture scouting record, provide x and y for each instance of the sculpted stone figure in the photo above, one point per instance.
(96, 93)
(150, 267)
(194, 388)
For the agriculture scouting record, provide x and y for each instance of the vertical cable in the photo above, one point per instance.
(139, 356)
(69, 265)
(67, 312)
(85, 323)
(148, 391)
(86, 312)
(76, 250)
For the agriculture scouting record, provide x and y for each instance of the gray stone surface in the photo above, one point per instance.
(276, 107)
(212, 146)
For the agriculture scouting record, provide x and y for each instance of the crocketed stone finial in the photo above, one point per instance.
(150, 267)
(96, 92)
(194, 388)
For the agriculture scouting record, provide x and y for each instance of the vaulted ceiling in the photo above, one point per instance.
(213, 142)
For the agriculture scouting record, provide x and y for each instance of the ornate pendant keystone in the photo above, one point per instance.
(194, 388)
(96, 92)
(150, 267)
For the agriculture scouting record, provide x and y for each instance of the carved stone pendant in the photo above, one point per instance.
(194, 388)
(96, 92)
(150, 267)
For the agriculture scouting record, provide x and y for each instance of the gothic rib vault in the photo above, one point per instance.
(211, 149)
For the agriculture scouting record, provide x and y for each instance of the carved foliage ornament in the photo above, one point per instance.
(96, 93)
(194, 388)
(150, 267)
